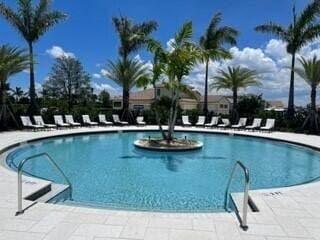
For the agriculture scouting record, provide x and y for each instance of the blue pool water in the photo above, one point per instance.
(107, 170)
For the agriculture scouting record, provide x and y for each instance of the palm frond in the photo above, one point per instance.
(272, 28)
(309, 15)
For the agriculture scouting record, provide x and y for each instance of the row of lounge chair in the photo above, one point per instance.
(68, 121)
(225, 123)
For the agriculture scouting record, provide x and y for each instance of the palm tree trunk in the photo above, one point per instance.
(313, 96)
(205, 104)
(33, 109)
(164, 136)
(234, 116)
(290, 113)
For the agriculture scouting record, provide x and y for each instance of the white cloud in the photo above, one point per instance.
(96, 75)
(273, 65)
(98, 87)
(57, 52)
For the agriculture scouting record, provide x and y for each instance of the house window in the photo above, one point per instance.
(158, 92)
(226, 106)
(221, 106)
(117, 104)
(138, 107)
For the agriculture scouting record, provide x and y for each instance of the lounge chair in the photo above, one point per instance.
(39, 121)
(140, 121)
(103, 120)
(87, 121)
(201, 121)
(255, 124)
(270, 123)
(242, 123)
(185, 121)
(26, 122)
(58, 120)
(69, 120)
(116, 120)
(225, 123)
(214, 122)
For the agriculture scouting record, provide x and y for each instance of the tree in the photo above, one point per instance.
(310, 72)
(68, 80)
(12, 61)
(104, 98)
(175, 63)
(303, 29)
(233, 79)
(250, 105)
(31, 22)
(132, 37)
(126, 73)
(17, 93)
(211, 44)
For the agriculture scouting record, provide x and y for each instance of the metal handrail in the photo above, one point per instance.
(245, 191)
(20, 166)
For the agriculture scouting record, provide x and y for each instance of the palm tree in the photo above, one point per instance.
(211, 44)
(303, 29)
(31, 22)
(132, 37)
(233, 79)
(12, 61)
(127, 73)
(18, 93)
(310, 72)
(175, 64)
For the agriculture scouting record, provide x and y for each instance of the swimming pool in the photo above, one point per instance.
(106, 170)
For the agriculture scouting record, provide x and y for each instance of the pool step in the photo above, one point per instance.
(53, 194)
(237, 201)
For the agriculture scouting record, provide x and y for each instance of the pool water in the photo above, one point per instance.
(106, 170)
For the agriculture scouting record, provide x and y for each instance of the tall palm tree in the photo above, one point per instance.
(18, 93)
(211, 44)
(175, 64)
(303, 29)
(310, 72)
(127, 74)
(132, 37)
(31, 22)
(12, 61)
(233, 79)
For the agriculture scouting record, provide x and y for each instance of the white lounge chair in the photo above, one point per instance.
(140, 121)
(39, 121)
(103, 120)
(225, 123)
(69, 120)
(58, 120)
(87, 121)
(185, 121)
(255, 124)
(26, 122)
(116, 120)
(214, 122)
(242, 123)
(201, 121)
(270, 124)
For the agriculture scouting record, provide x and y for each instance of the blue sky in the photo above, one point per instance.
(89, 35)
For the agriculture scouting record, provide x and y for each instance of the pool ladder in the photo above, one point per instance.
(20, 166)
(243, 220)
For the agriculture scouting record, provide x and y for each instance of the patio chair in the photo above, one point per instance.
(87, 121)
(103, 120)
(39, 121)
(225, 123)
(201, 121)
(58, 120)
(242, 123)
(270, 124)
(26, 122)
(140, 121)
(185, 121)
(116, 120)
(214, 122)
(69, 120)
(255, 124)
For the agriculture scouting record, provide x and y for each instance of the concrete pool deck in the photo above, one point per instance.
(285, 213)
